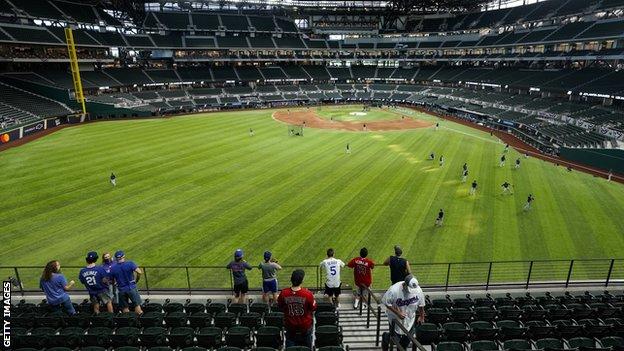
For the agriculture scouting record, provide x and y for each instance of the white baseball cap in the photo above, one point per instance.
(411, 283)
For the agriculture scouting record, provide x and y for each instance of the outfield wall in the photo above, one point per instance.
(606, 159)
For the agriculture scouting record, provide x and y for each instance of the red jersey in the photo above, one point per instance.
(362, 270)
(298, 307)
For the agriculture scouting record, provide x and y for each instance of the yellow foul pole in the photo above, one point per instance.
(73, 63)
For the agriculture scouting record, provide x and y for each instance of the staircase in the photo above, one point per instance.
(355, 334)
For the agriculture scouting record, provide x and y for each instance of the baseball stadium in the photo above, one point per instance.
(299, 175)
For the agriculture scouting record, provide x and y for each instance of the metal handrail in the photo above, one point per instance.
(530, 273)
(394, 338)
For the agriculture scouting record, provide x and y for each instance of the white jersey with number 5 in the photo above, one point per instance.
(332, 269)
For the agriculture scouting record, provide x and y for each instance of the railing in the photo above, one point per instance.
(394, 338)
(369, 310)
(441, 276)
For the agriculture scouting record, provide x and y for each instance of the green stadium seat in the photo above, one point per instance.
(328, 335)
(269, 337)
(151, 307)
(176, 319)
(224, 320)
(297, 348)
(483, 345)
(125, 336)
(428, 333)
(251, 320)
(151, 319)
(237, 308)
(274, 319)
(326, 318)
(181, 337)
(209, 337)
(613, 342)
(194, 307)
(482, 330)
(68, 337)
(259, 307)
(516, 344)
(200, 320)
(169, 307)
(238, 336)
(509, 329)
(455, 331)
(97, 336)
(193, 348)
(549, 344)
(81, 320)
(127, 348)
(127, 319)
(214, 308)
(448, 346)
(153, 336)
(103, 319)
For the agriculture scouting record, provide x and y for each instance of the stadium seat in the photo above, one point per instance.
(448, 346)
(229, 348)
(540, 329)
(128, 319)
(238, 336)
(274, 319)
(509, 312)
(170, 307)
(151, 319)
(483, 345)
(99, 348)
(533, 313)
(209, 337)
(269, 337)
(181, 337)
(461, 314)
(69, 336)
(200, 320)
(224, 320)
(326, 318)
(612, 342)
(455, 331)
(437, 315)
(194, 307)
(151, 307)
(567, 328)
(485, 313)
(581, 342)
(325, 307)
(23, 320)
(237, 308)
(481, 330)
(175, 319)
(160, 348)
(594, 328)
(53, 320)
(127, 348)
(510, 329)
(428, 333)
(193, 348)
(328, 335)
(214, 308)
(98, 336)
(549, 343)
(125, 336)
(58, 348)
(103, 319)
(463, 302)
(251, 320)
(516, 344)
(259, 307)
(81, 320)
(153, 336)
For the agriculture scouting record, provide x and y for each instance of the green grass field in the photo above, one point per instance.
(352, 113)
(193, 189)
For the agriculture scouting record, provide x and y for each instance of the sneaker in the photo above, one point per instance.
(356, 304)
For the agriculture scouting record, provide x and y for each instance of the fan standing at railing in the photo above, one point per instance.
(402, 300)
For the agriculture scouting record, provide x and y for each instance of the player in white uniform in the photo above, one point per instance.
(402, 301)
(332, 268)
(113, 179)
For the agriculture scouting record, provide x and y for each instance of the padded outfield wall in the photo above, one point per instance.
(607, 159)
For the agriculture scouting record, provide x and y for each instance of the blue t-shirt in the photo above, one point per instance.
(92, 277)
(54, 289)
(238, 270)
(108, 268)
(123, 272)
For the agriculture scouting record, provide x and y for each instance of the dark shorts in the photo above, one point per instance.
(130, 295)
(269, 286)
(241, 288)
(332, 291)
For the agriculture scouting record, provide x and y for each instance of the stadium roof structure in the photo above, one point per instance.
(371, 5)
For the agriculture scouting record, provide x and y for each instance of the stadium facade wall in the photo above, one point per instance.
(606, 159)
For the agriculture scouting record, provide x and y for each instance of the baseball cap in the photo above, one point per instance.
(411, 282)
(238, 253)
(119, 254)
(92, 256)
(267, 255)
(397, 250)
